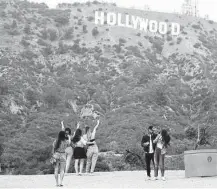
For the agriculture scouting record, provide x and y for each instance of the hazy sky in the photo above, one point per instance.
(205, 6)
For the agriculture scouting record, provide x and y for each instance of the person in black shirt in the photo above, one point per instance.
(149, 148)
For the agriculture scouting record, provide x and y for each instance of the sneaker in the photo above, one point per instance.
(163, 178)
(155, 178)
(91, 173)
(148, 178)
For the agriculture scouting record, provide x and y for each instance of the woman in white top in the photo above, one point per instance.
(79, 153)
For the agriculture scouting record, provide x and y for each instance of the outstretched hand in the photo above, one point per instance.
(78, 124)
(98, 121)
(62, 125)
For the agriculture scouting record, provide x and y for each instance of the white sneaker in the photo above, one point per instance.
(148, 178)
(163, 178)
(155, 178)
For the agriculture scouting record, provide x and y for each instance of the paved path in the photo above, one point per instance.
(126, 179)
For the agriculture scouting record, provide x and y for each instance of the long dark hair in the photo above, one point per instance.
(61, 137)
(165, 137)
(77, 136)
(69, 130)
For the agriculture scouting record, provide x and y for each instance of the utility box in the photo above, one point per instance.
(200, 163)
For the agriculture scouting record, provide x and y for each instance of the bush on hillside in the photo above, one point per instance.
(90, 18)
(24, 42)
(42, 42)
(27, 29)
(68, 33)
(85, 29)
(3, 86)
(197, 45)
(95, 31)
(197, 27)
(52, 34)
(28, 54)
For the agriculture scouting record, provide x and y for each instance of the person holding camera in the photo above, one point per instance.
(149, 148)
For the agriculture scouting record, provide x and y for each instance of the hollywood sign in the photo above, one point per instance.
(136, 22)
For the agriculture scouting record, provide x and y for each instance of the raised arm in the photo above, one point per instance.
(78, 125)
(63, 128)
(53, 146)
(94, 130)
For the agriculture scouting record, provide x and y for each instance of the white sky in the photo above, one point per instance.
(205, 6)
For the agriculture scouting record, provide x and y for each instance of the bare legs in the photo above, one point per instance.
(59, 166)
(80, 166)
(159, 159)
(56, 170)
(69, 152)
(92, 156)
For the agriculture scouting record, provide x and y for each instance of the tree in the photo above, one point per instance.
(95, 32)
(14, 24)
(27, 29)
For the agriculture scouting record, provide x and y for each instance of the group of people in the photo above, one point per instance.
(81, 147)
(77, 146)
(155, 147)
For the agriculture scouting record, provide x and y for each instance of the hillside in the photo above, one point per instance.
(54, 61)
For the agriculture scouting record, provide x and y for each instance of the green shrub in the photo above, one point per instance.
(42, 42)
(211, 21)
(68, 33)
(13, 32)
(197, 45)
(138, 34)
(95, 31)
(79, 22)
(197, 27)
(191, 133)
(102, 167)
(3, 86)
(28, 54)
(85, 29)
(47, 51)
(90, 18)
(121, 40)
(179, 40)
(169, 38)
(44, 34)
(27, 29)
(52, 34)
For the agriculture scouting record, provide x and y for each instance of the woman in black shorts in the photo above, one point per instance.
(79, 153)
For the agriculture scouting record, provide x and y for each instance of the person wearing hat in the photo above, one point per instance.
(149, 148)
